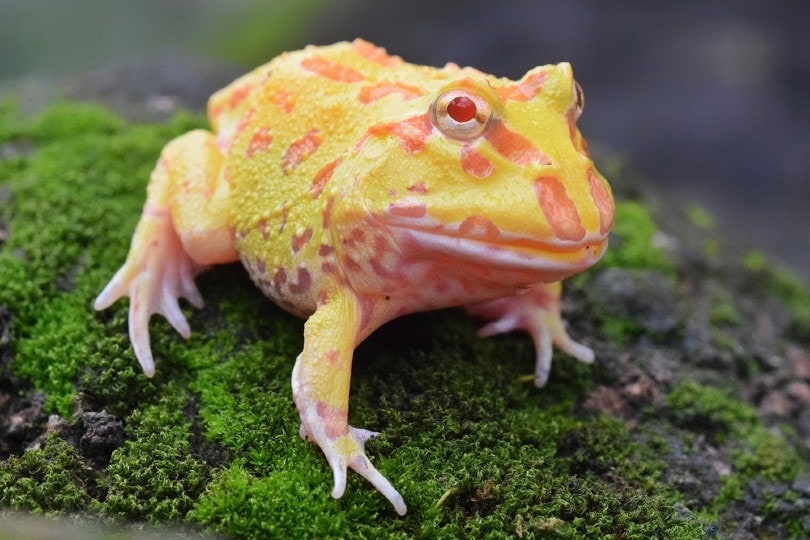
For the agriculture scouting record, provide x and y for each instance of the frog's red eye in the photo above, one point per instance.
(461, 114)
(461, 109)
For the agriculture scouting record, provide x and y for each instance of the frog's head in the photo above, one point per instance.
(495, 173)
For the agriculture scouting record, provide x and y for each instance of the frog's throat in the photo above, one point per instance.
(525, 256)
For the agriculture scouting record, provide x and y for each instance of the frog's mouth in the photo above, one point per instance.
(518, 254)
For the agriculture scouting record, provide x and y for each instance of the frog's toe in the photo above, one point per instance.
(549, 329)
(340, 460)
(187, 288)
(114, 290)
(171, 310)
(139, 336)
(361, 465)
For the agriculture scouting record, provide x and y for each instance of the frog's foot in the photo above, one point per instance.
(348, 451)
(536, 312)
(157, 273)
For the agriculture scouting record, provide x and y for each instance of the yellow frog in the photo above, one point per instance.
(356, 188)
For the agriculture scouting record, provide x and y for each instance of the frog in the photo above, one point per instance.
(355, 188)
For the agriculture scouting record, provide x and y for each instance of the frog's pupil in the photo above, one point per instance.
(461, 109)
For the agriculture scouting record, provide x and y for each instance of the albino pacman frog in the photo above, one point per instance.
(355, 188)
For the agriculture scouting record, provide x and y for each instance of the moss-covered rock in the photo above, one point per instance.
(668, 435)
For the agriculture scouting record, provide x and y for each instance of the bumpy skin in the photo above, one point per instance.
(355, 188)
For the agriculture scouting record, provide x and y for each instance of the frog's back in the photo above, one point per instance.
(295, 116)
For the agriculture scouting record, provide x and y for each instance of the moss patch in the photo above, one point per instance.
(632, 241)
(47, 480)
(786, 285)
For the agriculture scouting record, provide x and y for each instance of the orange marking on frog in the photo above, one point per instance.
(356, 236)
(323, 176)
(369, 94)
(299, 241)
(514, 146)
(331, 70)
(375, 54)
(419, 187)
(285, 213)
(285, 101)
(303, 284)
(474, 163)
(480, 228)
(264, 228)
(524, 90)
(559, 209)
(380, 246)
(411, 132)
(407, 209)
(335, 420)
(333, 357)
(225, 143)
(238, 95)
(327, 212)
(279, 279)
(300, 150)
(603, 200)
(352, 265)
(260, 141)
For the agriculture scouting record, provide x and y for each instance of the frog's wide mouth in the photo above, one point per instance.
(512, 253)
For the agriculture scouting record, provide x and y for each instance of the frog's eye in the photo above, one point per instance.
(461, 114)
(579, 98)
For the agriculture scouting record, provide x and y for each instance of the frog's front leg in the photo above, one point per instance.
(183, 228)
(537, 311)
(320, 382)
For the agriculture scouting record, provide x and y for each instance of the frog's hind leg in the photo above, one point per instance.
(537, 312)
(183, 228)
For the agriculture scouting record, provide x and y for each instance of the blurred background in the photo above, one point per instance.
(706, 102)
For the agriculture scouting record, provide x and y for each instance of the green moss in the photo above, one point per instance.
(766, 455)
(763, 455)
(710, 410)
(621, 330)
(758, 453)
(632, 240)
(700, 217)
(474, 451)
(785, 285)
(154, 476)
(491, 458)
(724, 312)
(75, 200)
(45, 480)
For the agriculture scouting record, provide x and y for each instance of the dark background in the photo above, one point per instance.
(705, 102)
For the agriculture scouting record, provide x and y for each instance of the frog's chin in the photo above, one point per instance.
(548, 261)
